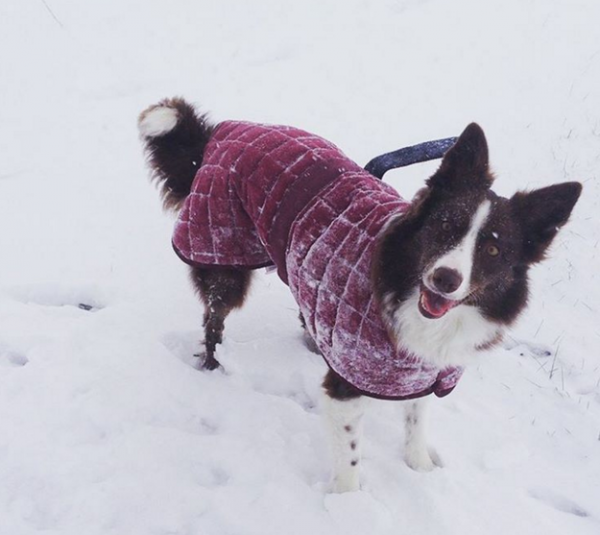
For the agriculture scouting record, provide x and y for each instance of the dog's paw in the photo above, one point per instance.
(343, 484)
(423, 460)
(207, 362)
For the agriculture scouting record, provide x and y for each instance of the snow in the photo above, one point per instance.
(106, 427)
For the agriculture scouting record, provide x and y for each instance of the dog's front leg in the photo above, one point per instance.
(343, 418)
(416, 452)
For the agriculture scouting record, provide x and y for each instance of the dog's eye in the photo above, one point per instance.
(446, 226)
(492, 250)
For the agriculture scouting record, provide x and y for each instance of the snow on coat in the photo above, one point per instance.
(277, 195)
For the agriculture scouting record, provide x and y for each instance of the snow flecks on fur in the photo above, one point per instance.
(329, 263)
(296, 200)
(461, 258)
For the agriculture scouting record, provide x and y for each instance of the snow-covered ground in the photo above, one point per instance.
(106, 427)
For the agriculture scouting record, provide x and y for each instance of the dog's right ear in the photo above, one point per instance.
(466, 164)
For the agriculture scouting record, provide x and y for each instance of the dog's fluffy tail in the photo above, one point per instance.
(174, 137)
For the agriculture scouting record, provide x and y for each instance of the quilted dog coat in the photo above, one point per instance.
(275, 195)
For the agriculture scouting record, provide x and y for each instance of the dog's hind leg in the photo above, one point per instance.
(221, 290)
(343, 411)
(309, 341)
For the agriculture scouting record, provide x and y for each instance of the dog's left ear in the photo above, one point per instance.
(466, 164)
(542, 212)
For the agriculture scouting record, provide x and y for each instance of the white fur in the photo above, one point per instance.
(344, 421)
(158, 121)
(417, 454)
(460, 258)
(455, 338)
(451, 340)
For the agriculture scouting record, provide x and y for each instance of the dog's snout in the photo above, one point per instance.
(446, 280)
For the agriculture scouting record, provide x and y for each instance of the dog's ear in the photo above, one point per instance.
(542, 212)
(466, 164)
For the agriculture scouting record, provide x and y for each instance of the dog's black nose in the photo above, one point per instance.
(446, 280)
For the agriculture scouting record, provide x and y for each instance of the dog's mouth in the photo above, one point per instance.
(433, 305)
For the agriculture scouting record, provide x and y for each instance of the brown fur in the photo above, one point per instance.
(175, 156)
(522, 228)
(542, 213)
(337, 388)
(221, 290)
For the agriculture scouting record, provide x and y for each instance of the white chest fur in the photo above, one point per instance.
(452, 340)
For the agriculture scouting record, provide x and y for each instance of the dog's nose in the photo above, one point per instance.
(446, 280)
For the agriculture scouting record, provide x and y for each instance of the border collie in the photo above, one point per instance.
(397, 296)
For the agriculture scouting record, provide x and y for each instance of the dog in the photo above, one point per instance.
(398, 297)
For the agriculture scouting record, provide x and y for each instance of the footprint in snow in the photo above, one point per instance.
(183, 344)
(528, 349)
(211, 476)
(12, 359)
(58, 295)
(558, 502)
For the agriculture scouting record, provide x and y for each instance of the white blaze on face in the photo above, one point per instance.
(461, 257)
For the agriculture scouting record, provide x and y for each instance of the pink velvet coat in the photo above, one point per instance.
(277, 195)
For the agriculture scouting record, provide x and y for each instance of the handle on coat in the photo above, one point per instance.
(423, 152)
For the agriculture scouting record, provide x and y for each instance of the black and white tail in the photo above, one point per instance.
(174, 137)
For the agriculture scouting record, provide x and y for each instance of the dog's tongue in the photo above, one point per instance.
(435, 304)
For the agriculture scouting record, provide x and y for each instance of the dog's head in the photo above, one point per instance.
(463, 245)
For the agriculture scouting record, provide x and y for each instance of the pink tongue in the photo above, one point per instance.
(435, 304)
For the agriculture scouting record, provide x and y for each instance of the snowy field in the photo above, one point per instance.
(106, 427)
